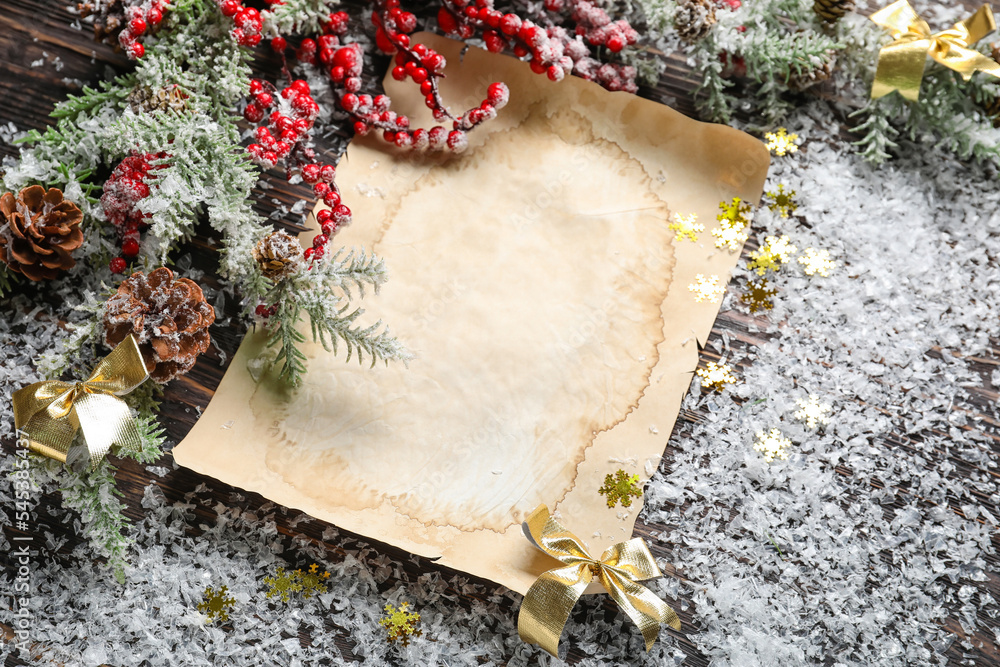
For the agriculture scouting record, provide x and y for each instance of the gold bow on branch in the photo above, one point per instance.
(901, 64)
(50, 413)
(551, 598)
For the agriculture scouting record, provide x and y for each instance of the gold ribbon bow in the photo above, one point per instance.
(901, 64)
(51, 412)
(551, 598)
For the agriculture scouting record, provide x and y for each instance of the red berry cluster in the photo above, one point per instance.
(124, 189)
(247, 19)
(287, 126)
(595, 26)
(265, 312)
(285, 139)
(506, 31)
(140, 19)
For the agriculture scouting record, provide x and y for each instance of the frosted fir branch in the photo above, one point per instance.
(94, 494)
(949, 112)
(878, 132)
(297, 16)
(347, 268)
(109, 93)
(770, 56)
(80, 349)
(711, 97)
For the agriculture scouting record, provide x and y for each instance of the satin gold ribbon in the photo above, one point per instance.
(51, 412)
(620, 569)
(901, 64)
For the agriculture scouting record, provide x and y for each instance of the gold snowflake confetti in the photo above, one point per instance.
(400, 624)
(817, 261)
(781, 202)
(776, 251)
(716, 376)
(812, 412)
(758, 295)
(620, 487)
(772, 445)
(780, 142)
(216, 604)
(686, 226)
(312, 581)
(734, 213)
(731, 237)
(707, 289)
(283, 584)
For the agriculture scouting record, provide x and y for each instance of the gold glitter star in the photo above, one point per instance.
(400, 624)
(758, 296)
(772, 445)
(775, 252)
(780, 142)
(782, 202)
(686, 226)
(812, 412)
(216, 604)
(817, 261)
(620, 487)
(716, 376)
(707, 289)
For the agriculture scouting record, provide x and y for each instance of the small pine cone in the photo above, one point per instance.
(168, 98)
(803, 80)
(38, 231)
(278, 254)
(168, 316)
(694, 18)
(832, 10)
(109, 18)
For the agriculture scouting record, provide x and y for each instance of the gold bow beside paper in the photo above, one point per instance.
(901, 64)
(50, 413)
(550, 599)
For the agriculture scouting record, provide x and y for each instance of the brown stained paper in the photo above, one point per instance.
(546, 300)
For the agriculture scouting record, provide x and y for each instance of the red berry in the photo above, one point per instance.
(256, 86)
(155, 16)
(301, 86)
(349, 101)
(118, 265)
(510, 24)
(447, 20)
(317, 252)
(308, 253)
(130, 248)
(262, 311)
(264, 100)
(253, 113)
(307, 51)
(323, 216)
(331, 199)
(320, 189)
(407, 22)
(360, 128)
(136, 50)
(328, 228)
(230, 7)
(137, 26)
(398, 73)
(426, 88)
(616, 44)
(327, 173)
(341, 214)
(279, 44)
(498, 95)
(310, 173)
(320, 240)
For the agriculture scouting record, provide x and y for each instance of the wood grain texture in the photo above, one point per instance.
(31, 30)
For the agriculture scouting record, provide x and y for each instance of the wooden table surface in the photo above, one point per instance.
(33, 30)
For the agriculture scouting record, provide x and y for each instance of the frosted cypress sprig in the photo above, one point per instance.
(297, 16)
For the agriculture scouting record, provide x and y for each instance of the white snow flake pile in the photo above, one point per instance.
(852, 552)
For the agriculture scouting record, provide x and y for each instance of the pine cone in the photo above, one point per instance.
(109, 18)
(803, 80)
(277, 254)
(694, 18)
(832, 10)
(147, 100)
(168, 316)
(38, 231)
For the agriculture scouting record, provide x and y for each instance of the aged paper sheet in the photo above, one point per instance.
(545, 298)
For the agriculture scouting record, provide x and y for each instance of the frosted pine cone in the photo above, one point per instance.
(168, 316)
(147, 100)
(277, 255)
(832, 10)
(693, 19)
(808, 78)
(38, 231)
